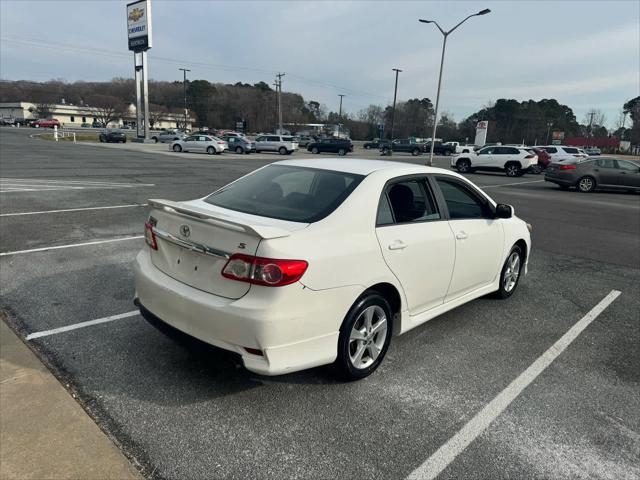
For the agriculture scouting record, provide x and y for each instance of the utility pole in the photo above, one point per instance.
(279, 92)
(275, 84)
(340, 113)
(591, 114)
(395, 94)
(184, 86)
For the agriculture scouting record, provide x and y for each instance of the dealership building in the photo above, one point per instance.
(75, 115)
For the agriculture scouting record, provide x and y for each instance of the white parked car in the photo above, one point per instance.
(271, 142)
(561, 153)
(514, 161)
(200, 143)
(305, 263)
(168, 136)
(460, 148)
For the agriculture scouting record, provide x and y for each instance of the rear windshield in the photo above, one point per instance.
(296, 194)
(287, 139)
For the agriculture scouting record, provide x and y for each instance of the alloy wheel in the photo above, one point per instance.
(368, 337)
(512, 272)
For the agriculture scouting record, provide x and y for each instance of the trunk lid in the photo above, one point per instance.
(195, 240)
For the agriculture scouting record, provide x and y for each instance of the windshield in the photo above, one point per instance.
(296, 194)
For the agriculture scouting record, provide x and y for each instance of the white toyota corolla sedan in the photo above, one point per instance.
(309, 262)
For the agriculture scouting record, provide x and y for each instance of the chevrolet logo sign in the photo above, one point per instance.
(136, 14)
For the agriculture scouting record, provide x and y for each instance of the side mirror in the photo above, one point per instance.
(504, 211)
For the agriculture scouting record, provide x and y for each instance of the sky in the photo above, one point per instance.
(586, 54)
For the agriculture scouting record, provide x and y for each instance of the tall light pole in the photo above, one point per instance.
(549, 125)
(280, 75)
(395, 94)
(445, 34)
(340, 112)
(184, 86)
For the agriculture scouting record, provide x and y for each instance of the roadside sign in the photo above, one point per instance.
(139, 25)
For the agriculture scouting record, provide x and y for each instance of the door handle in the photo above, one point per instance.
(397, 245)
(461, 235)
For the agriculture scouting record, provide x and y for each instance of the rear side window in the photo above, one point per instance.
(550, 149)
(629, 166)
(287, 139)
(296, 194)
(461, 202)
(570, 150)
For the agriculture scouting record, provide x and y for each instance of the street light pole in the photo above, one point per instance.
(395, 94)
(340, 113)
(280, 75)
(184, 86)
(445, 34)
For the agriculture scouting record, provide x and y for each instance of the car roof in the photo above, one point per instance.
(361, 166)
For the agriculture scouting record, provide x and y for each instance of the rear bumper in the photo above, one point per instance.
(295, 327)
(560, 180)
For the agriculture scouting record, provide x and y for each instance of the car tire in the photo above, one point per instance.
(155, 139)
(282, 151)
(510, 273)
(239, 150)
(367, 147)
(211, 151)
(362, 346)
(342, 152)
(415, 152)
(101, 140)
(512, 170)
(177, 148)
(124, 140)
(463, 165)
(315, 150)
(536, 169)
(586, 184)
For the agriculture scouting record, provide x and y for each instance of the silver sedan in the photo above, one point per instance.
(201, 144)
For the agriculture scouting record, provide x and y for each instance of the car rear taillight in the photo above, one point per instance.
(270, 272)
(529, 156)
(567, 167)
(221, 143)
(149, 236)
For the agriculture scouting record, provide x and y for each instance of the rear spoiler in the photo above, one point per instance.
(217, 219)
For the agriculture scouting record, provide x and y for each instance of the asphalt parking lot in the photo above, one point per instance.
(184, 410)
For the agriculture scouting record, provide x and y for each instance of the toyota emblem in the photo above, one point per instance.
(185, 231)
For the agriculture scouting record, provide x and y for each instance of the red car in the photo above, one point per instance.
(50, 123)
(544, 159)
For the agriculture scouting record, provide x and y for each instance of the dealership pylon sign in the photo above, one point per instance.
(139, 25)
(481, 133)
(139, 35)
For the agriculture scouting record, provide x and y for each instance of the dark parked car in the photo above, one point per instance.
(340, 146)
(440, 148)
(115, 136)
(375, 143)
(402, 145)
(239, 144)
(588, 175)
(304, 140)
(97, 125)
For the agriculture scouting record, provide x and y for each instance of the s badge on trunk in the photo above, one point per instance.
(185, 230)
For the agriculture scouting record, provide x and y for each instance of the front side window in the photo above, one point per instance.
(628, 166)
(296, 194)
(551, 149)
(486, 151)
(261, 139)
(461, 201)
(410, 201)
(190, 139)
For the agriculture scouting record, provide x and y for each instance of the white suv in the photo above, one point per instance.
(560, 153)
(283, 144)
(514, 161)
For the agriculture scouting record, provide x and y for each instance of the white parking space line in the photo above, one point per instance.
(75, 326)
(58, 247)
(448, 452)
(511, 184)
(12, 185)
(42, 212)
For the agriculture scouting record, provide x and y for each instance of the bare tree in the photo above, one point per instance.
(156, 113)
(106, 108)
(621, 119)
(595, 117)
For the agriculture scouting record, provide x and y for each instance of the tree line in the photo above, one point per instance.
(222, 105)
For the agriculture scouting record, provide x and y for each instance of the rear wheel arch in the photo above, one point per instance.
(393, 297)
